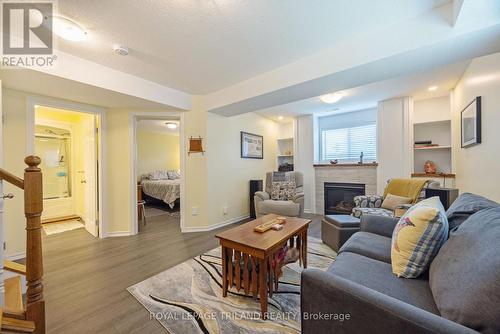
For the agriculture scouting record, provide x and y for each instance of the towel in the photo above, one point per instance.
(410, 188)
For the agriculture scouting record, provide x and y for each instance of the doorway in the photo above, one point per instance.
(157, 148)
(68, 144)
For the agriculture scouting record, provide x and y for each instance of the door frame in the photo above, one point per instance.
(134, 117)
(35, 100)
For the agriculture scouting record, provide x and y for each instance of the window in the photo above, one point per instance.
(345, 136)
(348, 143)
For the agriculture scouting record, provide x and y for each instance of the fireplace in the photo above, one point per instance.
(339, 197)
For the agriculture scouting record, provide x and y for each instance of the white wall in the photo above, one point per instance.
(432, 110)
(395, 133)
(477, 168)
(227, 173)
(304, 157)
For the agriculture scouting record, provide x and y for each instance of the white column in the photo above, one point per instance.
(395, 140)
(304, 157)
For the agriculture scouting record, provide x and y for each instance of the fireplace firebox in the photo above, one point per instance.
(339, 197)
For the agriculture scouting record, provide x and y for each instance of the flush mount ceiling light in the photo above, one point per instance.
(280, 118)
(432, 88)
(331, 98)
(171, 125)
(68, 29)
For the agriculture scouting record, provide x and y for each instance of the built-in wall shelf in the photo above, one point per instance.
(285, 151)
(433, 123)
(433, 148)
(451, 176)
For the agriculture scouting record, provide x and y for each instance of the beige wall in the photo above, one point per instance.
(156, 151)
(14, 148)
(477, 167)
(228, 173)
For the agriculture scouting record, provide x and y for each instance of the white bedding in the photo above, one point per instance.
(166, 190)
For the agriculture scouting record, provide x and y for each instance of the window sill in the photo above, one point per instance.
(340, 164)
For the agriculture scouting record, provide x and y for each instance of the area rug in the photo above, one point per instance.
(188, 297)
(155, 212)
(60, 227)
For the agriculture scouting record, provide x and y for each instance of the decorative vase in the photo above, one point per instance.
(430, 167)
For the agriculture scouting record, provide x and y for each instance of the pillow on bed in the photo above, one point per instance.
(159, 175)
(173, 175)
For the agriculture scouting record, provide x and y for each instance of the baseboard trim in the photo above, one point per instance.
(116, 234)
(16, 256)
(307, 211)
(214, 227)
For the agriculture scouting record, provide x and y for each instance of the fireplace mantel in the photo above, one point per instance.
(345, 173)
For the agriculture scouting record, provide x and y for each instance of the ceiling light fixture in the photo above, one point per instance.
(171, 125)
(332, 97)
(68, 29)
(280, 118)
(432, 88)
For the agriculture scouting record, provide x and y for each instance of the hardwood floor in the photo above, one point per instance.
(86, 278)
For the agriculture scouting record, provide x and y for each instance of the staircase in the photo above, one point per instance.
(16, 315)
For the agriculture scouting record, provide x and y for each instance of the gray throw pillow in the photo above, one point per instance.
(465, 275)
(465, 205)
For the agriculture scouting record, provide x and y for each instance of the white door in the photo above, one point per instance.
(90, 177)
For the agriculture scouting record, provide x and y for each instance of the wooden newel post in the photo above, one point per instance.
(33, 207)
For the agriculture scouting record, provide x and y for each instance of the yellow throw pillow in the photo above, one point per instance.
(392, 201)
(417, 237)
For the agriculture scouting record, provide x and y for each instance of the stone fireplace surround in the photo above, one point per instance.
(344, 173)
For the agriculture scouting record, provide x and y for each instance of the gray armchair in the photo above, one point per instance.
(292, 208)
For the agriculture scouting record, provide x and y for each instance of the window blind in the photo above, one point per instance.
(348, 143)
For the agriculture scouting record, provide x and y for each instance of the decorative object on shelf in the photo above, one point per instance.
(252, 146)
(334, 162)
(285, 167)
(361, 158)
(196, 145)
(471, 123)
(430, 167)
(288, 152)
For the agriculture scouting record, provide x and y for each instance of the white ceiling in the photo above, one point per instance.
(367, 96)
(157, 125)
(203, 46)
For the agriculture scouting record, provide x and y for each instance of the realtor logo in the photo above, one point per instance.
(27, 28)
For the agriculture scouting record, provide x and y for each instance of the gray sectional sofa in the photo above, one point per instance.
(459, 294)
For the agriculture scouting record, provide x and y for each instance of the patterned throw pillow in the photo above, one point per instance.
(283, 190)
(417, 238)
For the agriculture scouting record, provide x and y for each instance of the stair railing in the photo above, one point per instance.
(33, 207)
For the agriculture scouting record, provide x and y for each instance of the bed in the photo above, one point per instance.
(165, 190)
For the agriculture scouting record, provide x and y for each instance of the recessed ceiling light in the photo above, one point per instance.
(432, 88)
(171, 125)
(68, 29)
(280, 118)
(331, 98)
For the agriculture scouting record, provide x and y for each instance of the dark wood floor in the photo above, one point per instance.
(86, 278)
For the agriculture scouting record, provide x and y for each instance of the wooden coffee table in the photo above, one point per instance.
(249, 255)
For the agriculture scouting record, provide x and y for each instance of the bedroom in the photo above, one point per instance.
(157, 171)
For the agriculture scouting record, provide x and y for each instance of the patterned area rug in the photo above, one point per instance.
(188, 297)
(60, 227)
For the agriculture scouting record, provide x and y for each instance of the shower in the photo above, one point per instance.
(53, 146)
